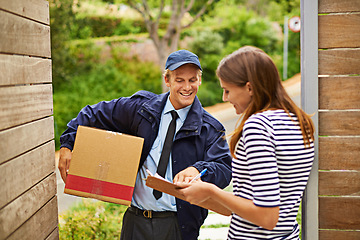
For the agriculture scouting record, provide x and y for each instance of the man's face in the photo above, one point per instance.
(184, 84)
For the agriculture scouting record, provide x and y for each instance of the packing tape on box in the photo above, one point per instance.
(101, 173)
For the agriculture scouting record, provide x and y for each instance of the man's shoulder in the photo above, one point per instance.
(144, 94)
(210, 119)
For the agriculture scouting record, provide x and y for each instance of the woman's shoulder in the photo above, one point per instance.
(271, 115)
(269, 118)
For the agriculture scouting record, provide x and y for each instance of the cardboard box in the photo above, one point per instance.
(104, 165)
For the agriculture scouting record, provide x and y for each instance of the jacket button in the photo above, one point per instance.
(142, 111)
(187, 133)
(150, 118)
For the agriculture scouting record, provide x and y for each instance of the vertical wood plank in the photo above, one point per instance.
(309, 103)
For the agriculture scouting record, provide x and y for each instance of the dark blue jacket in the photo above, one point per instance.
(199, 143)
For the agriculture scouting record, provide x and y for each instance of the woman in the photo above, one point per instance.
(272, 150)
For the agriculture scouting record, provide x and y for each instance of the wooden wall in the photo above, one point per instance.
(28, 203)
(339, 119)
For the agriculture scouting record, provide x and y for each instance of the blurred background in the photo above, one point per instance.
(105, 49)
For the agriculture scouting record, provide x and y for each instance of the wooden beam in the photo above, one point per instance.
(339, 123)
(336, 6)
(25, 171)
(309, 103)
(339, 31)
(37, 10)
(54, 235)
(15, 141)
(339, 183)
(17, 70)
(332, 89)
(22, 104)
(333, 156)
(338, 234)
(339, 62)
(23, 36)
(40, 225)
(339, 213)
(13, 215)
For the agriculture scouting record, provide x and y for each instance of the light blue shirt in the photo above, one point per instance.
(143, 197)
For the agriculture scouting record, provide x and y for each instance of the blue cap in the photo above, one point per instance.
(181, 57)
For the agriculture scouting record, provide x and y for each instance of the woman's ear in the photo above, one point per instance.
(249, 88)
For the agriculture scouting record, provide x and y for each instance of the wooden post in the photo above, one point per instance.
(28, 202)
(331, 50)
(309, 102)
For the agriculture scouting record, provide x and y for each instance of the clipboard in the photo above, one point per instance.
(165, 186)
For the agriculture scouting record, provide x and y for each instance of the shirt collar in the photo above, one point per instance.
(182, 113)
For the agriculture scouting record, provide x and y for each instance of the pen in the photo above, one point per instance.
(199, 175)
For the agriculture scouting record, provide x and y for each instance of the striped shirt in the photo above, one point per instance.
(271, 168)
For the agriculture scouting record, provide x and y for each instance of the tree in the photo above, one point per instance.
(62, 17)
(169, 41)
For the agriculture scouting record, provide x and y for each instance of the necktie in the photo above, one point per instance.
(165, 154)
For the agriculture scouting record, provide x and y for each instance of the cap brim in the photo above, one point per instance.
(179, 64)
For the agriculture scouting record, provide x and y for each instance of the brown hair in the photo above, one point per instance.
(251, 64)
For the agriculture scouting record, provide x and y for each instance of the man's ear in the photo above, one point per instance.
(167, 81)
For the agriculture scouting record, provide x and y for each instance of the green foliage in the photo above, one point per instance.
(208, 45)
(86, 26)
(96, 81)
(61, 20)
(206, 42)
(209, 93)
(237, 27)
(242, 27)
(92, 220)
(219, 225)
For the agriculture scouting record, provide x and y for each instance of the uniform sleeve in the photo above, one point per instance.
(115, 115)
(261, 157)
(217, 160)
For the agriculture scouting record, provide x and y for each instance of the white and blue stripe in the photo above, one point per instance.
(271, 168)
